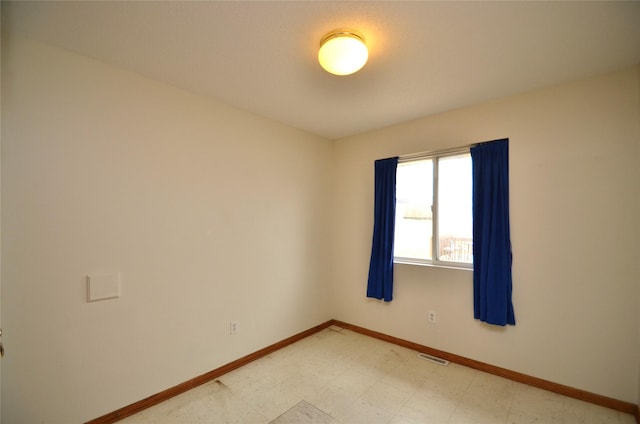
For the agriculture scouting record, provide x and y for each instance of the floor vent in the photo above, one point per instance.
(435, 359)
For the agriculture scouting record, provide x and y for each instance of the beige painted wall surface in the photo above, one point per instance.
(574, 172)
(213, 215)
(638, 242)
(209, 214)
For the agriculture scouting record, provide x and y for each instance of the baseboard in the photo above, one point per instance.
(136, 407)
(626, 407)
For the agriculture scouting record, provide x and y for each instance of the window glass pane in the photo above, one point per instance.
(455, 225)
(414, 200)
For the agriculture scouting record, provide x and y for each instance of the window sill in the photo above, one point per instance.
(447, 265)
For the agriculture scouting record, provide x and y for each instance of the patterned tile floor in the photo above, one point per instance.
(356, 379)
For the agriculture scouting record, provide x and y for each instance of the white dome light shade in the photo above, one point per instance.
(342, 52)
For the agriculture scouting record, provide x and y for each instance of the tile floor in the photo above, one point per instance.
(353, 379)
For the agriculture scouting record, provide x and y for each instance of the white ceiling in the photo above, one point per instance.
(425, 57)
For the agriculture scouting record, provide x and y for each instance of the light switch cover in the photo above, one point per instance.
(103, 286)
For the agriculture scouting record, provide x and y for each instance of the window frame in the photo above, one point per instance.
(435, 238)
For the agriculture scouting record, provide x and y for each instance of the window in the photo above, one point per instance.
(433, 211)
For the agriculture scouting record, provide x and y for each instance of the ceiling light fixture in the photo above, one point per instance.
(342, 52)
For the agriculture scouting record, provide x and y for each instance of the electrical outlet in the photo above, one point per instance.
(432, 317)
(233, 328)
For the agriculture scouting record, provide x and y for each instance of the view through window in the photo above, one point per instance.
(433, 211)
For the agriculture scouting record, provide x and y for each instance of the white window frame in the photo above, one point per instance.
(435, 262)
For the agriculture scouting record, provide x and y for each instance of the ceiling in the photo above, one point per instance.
(424, 57)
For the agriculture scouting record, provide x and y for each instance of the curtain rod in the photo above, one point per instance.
(453, 150)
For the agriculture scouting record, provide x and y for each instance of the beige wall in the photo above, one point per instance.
(638, 260)
(210, 215)
(213, 215)
(574, 172)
